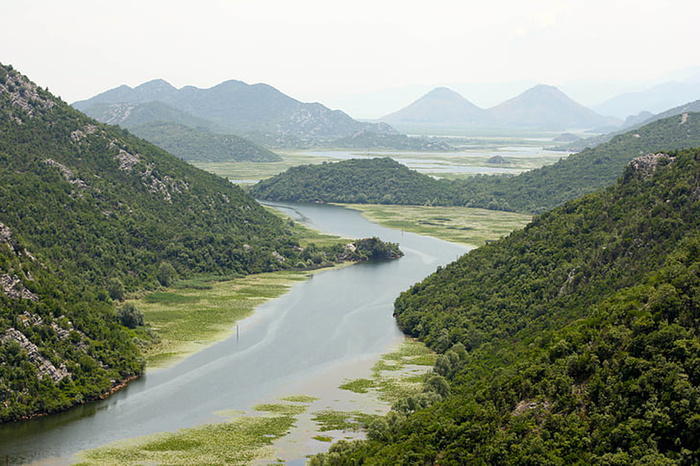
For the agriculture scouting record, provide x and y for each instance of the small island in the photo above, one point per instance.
(370, 249)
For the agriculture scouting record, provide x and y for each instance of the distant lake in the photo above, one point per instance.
(471, 162)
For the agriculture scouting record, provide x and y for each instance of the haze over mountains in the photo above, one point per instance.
(541, 107)
(655, 99)
(258, 111)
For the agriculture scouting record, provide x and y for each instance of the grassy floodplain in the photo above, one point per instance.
(465, 225)
(237, 440)
(252, 437)
(256, 171)
(186, 320)
(520, 153)
(196, 313)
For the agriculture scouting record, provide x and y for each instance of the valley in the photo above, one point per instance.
(542, 307)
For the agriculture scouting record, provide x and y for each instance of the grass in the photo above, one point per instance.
(397, 374)
(299, 398)
(256, 171)
(187, 319)
(358, 385)
(465, 225)
(237, 441)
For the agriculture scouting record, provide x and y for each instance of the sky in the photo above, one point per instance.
(353, 53)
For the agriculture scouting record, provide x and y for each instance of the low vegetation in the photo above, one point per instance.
(470, 226)
(238, 440)
(191, 316)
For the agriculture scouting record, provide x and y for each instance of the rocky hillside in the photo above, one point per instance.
(195, 145)
(89, 213)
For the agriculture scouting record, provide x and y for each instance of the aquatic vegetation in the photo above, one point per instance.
(342, 420)
(238, 441)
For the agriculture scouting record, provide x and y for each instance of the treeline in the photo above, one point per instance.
(382, 181)
(573, 341)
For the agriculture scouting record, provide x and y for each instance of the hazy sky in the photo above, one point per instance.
(321, 50)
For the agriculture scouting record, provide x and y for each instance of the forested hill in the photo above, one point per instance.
(386, 182)
(361, 181)
(573, 341)
(543, 189)
(87, 213)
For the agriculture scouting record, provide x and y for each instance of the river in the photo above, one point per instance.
(335, 318)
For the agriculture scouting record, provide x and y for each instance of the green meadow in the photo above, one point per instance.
(465, 225)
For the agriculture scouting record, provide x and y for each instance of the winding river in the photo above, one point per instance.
(333, 319)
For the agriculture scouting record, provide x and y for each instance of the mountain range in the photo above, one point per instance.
(541, 107)
(258, 111)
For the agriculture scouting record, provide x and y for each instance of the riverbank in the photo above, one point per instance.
(300, 420)
(464, 225)
(320, 331)
(195, 314)
(187, 320)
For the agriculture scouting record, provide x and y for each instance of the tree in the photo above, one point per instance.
(166, 274)
(129, 316)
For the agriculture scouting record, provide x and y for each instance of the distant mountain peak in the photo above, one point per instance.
(544, 106)
(440, 105)
(155, 85)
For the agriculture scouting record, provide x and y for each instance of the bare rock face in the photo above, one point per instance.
(12, 286)
(43, 365)
(5, 234)
(23, 93)
(646, 165)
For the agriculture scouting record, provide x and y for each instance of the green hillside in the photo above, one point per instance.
(536, 191)
(372, 181)
(573, 341)
(88, 213)
(543, 189)
(194, 145)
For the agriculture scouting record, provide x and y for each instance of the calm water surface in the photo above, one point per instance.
(336, 317)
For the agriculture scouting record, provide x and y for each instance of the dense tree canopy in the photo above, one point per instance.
(361, 181)
(573, 341)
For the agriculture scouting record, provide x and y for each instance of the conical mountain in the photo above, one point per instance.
(546, 107)
(439, 106)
